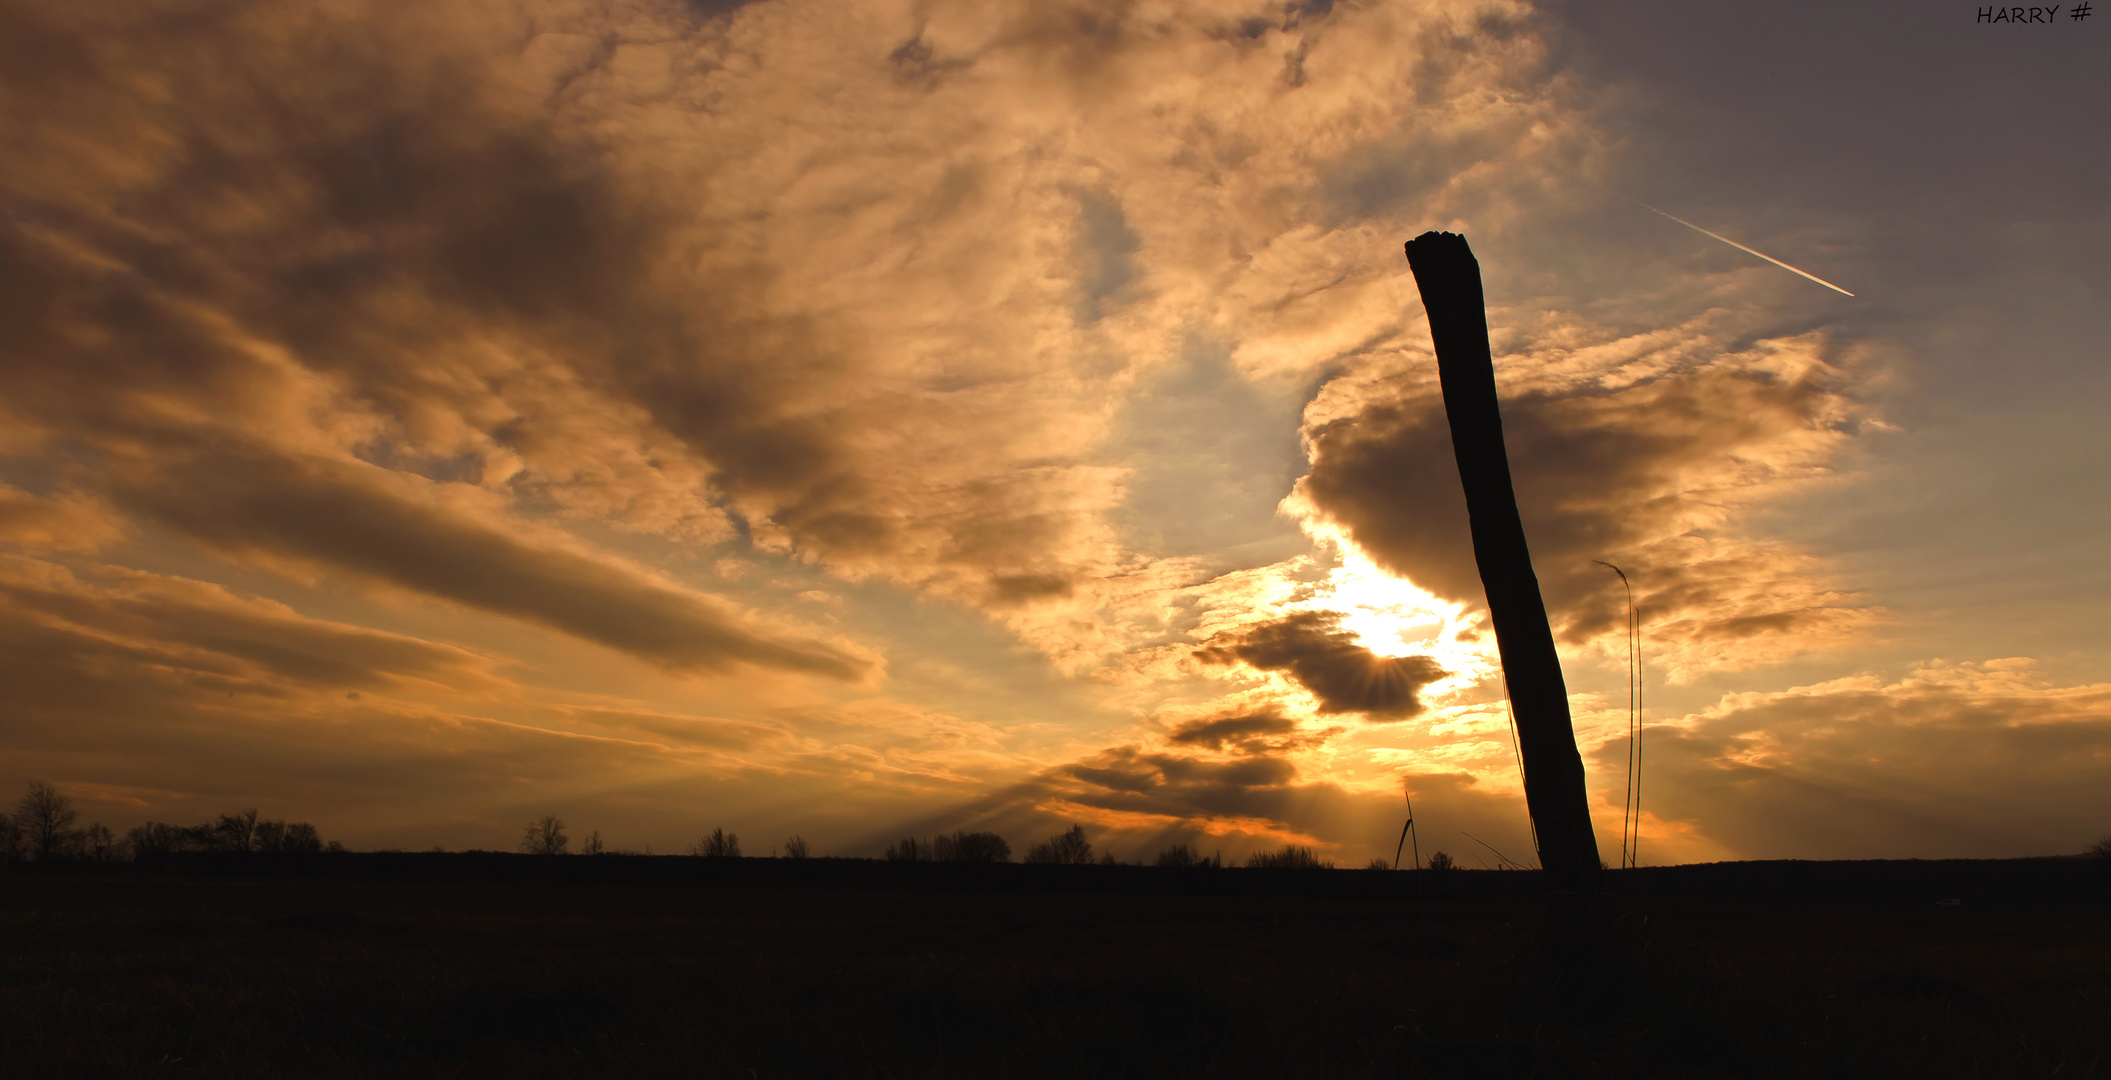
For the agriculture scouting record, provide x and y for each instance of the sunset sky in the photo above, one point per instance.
(863, 419)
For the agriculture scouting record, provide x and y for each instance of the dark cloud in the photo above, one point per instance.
(1258, 733)
(1345, 676)
(347, 517)
(1624, 475)
(365, 195)
(176, 624)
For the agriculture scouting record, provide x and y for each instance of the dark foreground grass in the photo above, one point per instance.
(135, 975)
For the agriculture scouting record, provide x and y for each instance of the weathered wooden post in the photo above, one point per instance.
(1450, 280)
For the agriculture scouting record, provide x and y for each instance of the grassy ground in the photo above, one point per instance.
(141, 975)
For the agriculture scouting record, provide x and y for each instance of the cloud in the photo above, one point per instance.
(64, 521)
(206, 637)
(392, 528)
(1253, 734)
(1342, 674)
(1976, 759)
(1651, 469)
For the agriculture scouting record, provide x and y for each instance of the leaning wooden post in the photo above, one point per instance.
(1450, 280)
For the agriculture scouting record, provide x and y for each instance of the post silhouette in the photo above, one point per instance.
(1449, 278)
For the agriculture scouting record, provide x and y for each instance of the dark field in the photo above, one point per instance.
(439, 965)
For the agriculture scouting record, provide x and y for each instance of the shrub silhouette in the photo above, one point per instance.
(961, 847)
(1379, 864)
(795, 848)
(971, 847)
(545, 836)
(2100, 851)
(719, 845)
(593, 845)
(1292, 857)
(1180, 855)
(1441, 861)
(1069, 849)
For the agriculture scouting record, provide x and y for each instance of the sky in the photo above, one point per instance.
(860, 420)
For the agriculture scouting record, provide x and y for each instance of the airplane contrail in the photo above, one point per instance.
(1749, 251)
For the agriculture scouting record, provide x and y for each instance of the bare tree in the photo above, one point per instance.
(46, 819)
(238, 831)
(795, 848)
(1069, 849)
(1441, 861)
(99, 844)
(301, 837)
(908, 849)
(545, 836)
(10, 839)
(593, 844)
(270, 835)
(719, 845)
(1179, 856)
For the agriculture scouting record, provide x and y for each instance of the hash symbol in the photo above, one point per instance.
(2081, 11)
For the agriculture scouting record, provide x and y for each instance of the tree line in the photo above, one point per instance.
(546, 836)
(41, 829)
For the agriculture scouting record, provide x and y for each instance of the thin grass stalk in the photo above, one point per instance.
(1630, 804)
(1634, 614)
(1405, 830)
(1517, 751)
(1491, 847)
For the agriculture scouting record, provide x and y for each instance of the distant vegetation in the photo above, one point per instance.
(719, 845)
(1183, 855)
(962, 847)
(41, 829)
(545, 836)
(1068, 849)
(1292, 857)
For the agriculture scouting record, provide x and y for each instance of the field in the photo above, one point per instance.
(515, 966)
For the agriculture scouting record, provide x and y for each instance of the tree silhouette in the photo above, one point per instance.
(301, 837)
(46, 819)
(1441, 861)
(1069, 849)
(545, 836)
(99, 844)
(795, 848)
(971, 847)
(1292, 857)
(1184, 855)
(237, 832)
(719, 845)
(907, 849)
(10, 839)
(269, 836)
(593, 845)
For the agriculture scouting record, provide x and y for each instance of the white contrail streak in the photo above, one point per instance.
(1749, 251)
